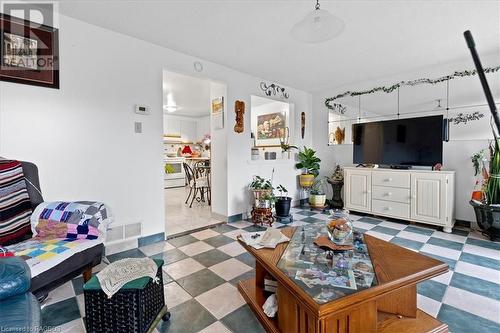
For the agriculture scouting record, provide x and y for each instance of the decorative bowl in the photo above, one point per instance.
(340, 227)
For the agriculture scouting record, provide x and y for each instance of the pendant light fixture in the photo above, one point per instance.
(318, 26)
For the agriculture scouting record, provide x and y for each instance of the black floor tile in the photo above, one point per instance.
(188, 317)
(243, 320)
(60, 313)
(212, 257)
(200, 282)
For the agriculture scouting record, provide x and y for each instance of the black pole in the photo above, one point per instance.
(482, 78)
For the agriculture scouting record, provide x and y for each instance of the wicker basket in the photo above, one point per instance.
(128, 311)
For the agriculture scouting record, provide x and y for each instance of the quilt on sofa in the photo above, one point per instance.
(62, 229)
(42, 254)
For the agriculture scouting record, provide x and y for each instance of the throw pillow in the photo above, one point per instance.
(15, 206)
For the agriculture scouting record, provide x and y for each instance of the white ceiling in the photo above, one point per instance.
(381, 38)
(191, 95)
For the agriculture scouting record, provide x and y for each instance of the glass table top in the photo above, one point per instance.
(326, 275)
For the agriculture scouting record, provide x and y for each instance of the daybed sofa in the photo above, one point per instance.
(56, 258)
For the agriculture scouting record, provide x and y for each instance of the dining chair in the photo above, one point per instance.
(198, 186)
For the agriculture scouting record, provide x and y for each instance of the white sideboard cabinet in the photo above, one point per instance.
(414, 195)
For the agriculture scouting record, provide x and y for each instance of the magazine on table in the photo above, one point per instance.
(264, 239)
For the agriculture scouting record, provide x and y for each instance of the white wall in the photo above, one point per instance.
(81, 136)
(202, 127)
(456, 154)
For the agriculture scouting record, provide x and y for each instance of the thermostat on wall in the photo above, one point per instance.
(142, 109)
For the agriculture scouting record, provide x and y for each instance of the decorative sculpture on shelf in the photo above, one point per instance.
(337, 182)
(239, 108)
(303, 124)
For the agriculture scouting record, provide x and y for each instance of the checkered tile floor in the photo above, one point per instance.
(202, 270)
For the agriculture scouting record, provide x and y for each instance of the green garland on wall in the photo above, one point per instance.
(389, 89)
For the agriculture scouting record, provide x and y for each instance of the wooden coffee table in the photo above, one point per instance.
(389, 304)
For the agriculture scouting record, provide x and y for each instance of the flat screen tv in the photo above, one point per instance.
(401, 142)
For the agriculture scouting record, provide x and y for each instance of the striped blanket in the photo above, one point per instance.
(15, 206)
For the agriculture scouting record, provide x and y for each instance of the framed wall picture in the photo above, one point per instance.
(29, 52)
(218, 112)
(269, 121)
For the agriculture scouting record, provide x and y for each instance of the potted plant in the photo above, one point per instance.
(309, 163)
(283, 202)
(487, 204)
(286, 148)
(317, 197)
(261, 187)
(265, 200)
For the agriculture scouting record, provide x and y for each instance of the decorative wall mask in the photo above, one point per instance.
(274, 89)
(239, 108)
(302, 124)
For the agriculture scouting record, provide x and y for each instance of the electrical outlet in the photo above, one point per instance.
(138, 127)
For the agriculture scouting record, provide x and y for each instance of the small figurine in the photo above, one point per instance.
(239, 108)
(338, 174)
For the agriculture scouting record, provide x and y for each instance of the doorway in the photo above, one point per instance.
(187, 141)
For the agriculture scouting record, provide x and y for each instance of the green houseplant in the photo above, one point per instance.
(309, 163)
(262, 191)
(487, 206)
(283, 202)
(317, 196)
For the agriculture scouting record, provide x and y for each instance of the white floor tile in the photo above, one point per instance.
(380, 235)
(413, 236)
(80, 299)
(428, 305)
(235, 233)
(393, 225)
(240, 224)
(477, 235)
(230, 269)
(363, 225)
(482, 251)
(216, 327)
(233, 249)
(222, 300)
(204, 234)
(61, 293)
(450, 237)
(444, 278)
(441, 251)
(183, 268)
(175, 295)
(156, 248)
(476, 304)
(196, 248)
(480, 272)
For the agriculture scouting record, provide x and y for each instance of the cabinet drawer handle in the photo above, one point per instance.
(388, 194)
(387, 208)
(388, 179)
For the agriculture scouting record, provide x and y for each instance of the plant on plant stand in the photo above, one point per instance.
(317, 196)
(262, 190)
(283, 202)
(309, 163)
